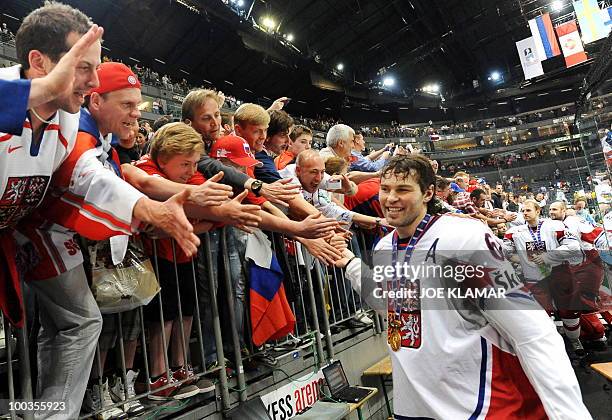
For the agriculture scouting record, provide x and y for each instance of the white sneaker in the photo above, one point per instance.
(117, 393)
(363, 317)
(97, 398)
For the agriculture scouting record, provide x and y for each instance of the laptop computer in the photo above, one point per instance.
(339, 385)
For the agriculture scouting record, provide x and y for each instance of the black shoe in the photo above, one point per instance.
(266, 359)
(335, 329)
(248, 361)
(596, 345)
(229, 372)
(356, 324)
(576, 346)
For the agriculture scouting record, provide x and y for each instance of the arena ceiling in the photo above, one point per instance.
(449, 42)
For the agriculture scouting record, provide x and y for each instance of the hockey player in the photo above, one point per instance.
(498, 358)
(588, 276)
(544, 248)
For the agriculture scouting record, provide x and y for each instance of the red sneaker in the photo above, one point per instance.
(186, 372)
(164, 394)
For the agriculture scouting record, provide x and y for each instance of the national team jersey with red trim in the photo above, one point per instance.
(26, 165)
(477, 359)
(163, 247)
(554, 241)
(589, 236)
(365, 201)
(85, 196)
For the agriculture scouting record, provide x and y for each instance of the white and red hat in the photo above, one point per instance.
(235, 149)
(115, 76)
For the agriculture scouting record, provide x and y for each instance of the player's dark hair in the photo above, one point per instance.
(416, 166)
(441, 183)
(298, 130)
(46, 29)
(161, 121)
(477, 193)
(280, 122)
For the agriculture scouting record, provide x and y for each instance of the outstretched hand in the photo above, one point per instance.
(169, 216)
(280, 192)
(243, 216)
(211, 193)
(317, 226)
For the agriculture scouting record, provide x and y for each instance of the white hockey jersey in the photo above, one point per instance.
(550, 235)
(590, 237)
(487, 359)
(84, 197)
(26, 166)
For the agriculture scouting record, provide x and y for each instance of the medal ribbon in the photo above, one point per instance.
(537, 238)
(397, 303)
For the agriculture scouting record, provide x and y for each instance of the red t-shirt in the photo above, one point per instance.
(164, 246)
(365, 201)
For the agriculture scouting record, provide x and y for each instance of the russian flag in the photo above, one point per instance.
(271, 316)
(571, 44)
(544, 37)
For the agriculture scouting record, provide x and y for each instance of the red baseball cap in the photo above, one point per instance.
(115, 76)
(235, 149)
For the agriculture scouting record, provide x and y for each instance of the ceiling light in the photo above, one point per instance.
(495, 76)
(388, 81)
(435, 87)
(290, 37)
(268, 22)
(557, 5)
(240, 3)
(340, 67)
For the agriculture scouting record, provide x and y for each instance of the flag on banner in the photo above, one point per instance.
(590, 18)
(271, 316)
(544, 37)
(571, 44)
(532, 67)
(607, 18)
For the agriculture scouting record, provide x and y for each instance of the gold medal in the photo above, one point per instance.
(395, 340)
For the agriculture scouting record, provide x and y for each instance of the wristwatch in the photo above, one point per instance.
(256, 187)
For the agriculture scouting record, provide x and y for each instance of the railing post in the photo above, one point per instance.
(328, 339)
(225, 398)
(313, 307)
(229, 293)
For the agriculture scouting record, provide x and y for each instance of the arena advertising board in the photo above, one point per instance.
(290, 400)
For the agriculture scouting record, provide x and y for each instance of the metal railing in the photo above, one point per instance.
(319, 296)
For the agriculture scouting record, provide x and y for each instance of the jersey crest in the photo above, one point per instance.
(20, 196)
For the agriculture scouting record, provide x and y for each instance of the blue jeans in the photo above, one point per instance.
(236, 244)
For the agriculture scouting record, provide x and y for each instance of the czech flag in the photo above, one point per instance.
(544, 37)
(571, 44)
(271, 316)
